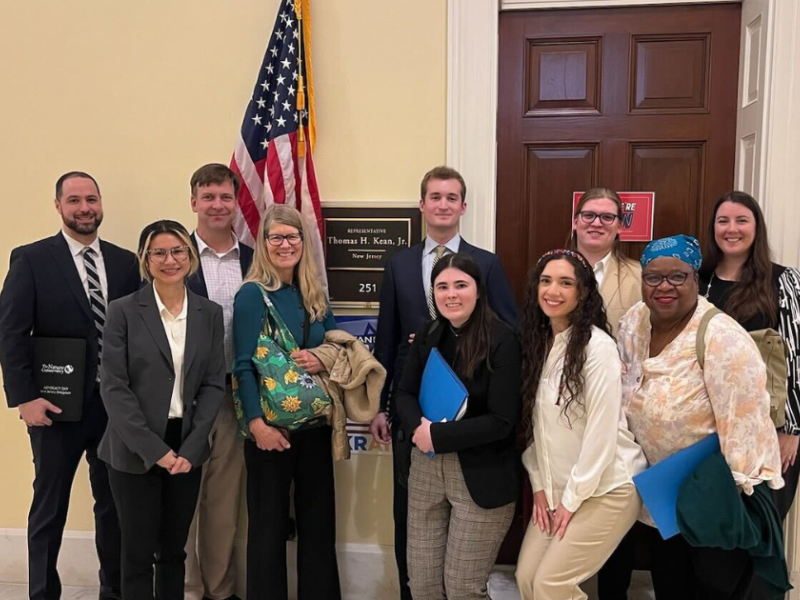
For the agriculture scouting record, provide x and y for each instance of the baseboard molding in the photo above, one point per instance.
(367, 571)
(794, 579)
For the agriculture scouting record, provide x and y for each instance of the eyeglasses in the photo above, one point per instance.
(674, 279)
(159, 255)
(588, 217)
(276, 239)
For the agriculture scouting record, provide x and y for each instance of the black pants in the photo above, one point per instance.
(270, 474)
(784, 497)
(615, 576)
(680, 571)
(155, 513)
(401, 464)
(57, 451)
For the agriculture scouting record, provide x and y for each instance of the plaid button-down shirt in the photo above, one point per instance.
(223, 276)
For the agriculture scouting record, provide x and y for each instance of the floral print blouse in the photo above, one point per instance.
(671, 402)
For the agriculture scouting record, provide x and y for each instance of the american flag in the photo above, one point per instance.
(273, 155)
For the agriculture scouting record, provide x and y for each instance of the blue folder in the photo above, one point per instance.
(659, 485)
(442, 395)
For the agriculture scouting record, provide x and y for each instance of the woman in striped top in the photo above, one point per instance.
(739, 277)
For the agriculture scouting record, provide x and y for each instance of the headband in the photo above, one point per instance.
(564, 252)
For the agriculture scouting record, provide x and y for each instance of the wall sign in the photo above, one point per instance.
(637, 215)
(358, 242)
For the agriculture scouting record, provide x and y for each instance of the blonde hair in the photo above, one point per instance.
(156, 229)
(264, 273)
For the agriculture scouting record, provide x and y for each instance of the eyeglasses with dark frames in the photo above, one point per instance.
(275, 239)
(159, 255)
(676, 279)
(588, 217)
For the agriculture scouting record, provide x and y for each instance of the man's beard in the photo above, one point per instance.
(83, 228)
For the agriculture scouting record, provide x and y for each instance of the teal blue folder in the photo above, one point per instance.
(442, 395)
(659, 485)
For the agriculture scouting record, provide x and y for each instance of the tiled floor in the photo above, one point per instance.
(501, 587)
(15, 591)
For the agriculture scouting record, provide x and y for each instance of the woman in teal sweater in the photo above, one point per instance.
(288, 272)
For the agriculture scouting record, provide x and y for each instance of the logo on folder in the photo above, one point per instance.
(57, 369)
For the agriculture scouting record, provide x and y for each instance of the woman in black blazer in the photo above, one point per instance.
(162, 383)
(461, 500)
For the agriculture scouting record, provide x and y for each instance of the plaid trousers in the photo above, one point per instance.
(452, 542)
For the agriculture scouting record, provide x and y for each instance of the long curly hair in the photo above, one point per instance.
(537, 337)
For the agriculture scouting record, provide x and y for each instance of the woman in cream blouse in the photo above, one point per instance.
(581, 457)
(672, 403)
(595, 234)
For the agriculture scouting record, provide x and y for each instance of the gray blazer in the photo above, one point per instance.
(137, 379)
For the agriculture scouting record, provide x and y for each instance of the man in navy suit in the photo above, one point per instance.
(210, 572)
(405, 303)
(59, 287)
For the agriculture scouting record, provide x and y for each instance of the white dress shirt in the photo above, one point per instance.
(600, 268)
(223, 276)
(175, 328)
(76, 248)
(594, 452)
(427, 258)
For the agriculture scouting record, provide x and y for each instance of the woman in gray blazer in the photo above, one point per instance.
(162, 383)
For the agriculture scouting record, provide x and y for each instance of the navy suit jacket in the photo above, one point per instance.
(197, 282)
(43, 297)
(404, 307)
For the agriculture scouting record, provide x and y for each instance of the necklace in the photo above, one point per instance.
(708, 289)
(454, 330)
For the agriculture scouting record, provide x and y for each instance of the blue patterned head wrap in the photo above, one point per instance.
(682, 247)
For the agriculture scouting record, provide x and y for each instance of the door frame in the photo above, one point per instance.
(472, 89)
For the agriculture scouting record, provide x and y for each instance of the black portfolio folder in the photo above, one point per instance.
(58, 365)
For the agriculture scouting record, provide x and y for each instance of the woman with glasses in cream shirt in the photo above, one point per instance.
(595, 234)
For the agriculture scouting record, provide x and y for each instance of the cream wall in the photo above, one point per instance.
(141, 93)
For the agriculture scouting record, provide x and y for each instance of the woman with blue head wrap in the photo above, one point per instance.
(673, 399)
(669, 285)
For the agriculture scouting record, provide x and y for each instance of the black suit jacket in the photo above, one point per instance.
(43, 297)
(404, 307)
(138, 377)
(484, 437)
(197, 282)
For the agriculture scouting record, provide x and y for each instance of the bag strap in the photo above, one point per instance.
(286, 339)
(701, 335)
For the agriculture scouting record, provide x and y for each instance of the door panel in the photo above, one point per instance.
(660, 88)
(563, 77)
(551, 170)
(640, 99)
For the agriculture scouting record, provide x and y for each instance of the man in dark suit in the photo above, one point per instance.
(210, 572)
(59, 287)
(405, 303)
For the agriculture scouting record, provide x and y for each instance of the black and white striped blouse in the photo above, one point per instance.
(789, 328)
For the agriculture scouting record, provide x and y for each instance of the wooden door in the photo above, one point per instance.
(637, 99)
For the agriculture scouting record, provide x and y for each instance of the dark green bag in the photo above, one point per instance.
(290, 398)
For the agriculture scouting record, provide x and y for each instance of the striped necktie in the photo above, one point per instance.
(96, 300)
(438, 253)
